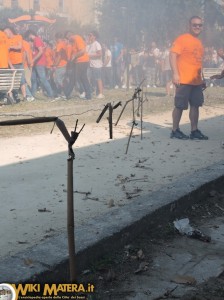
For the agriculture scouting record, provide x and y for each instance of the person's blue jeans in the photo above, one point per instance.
(40, 72)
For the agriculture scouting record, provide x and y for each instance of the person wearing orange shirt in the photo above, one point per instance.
(60, 61)
(15, 53)
(27, 64)
(80, 64)
(186, 56)
(4, 51)
(15, 47)
(39, 64)
(50, 57)
(4, 56)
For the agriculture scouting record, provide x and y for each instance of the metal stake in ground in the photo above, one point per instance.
(136, 95)
(110, 117)
(70, 205)
(70, 201)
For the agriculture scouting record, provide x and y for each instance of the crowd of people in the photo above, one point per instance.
(71, 62)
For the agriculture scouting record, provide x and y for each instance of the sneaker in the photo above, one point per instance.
(82, 96)
(30, 99)
(116, 87)
(197, 135)
(54, 99)
(177, 134)
(124, 86)
(100, 96)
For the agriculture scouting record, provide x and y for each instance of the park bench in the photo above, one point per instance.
(208, 72)
(10, 80)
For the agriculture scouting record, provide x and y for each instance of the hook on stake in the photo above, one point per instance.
(111, 108)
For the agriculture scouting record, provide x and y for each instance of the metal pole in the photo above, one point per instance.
(110, 120)
(70, 221)
(141, 101)
(129, 139)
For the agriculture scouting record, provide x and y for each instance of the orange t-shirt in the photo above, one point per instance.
(4, 50)
(61, 49)
(49, 54)
(78, 44)
(190, 51)
(26, 48)
(69, 51)
(15, 56)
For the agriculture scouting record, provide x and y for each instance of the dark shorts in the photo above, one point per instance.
(186, 93)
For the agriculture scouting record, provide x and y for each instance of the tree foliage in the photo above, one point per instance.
(143, 21)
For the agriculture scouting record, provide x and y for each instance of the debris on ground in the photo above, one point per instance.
(184, 279)
(184, 228)
(44, 210)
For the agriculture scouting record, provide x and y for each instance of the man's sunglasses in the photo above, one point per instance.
(196, 25)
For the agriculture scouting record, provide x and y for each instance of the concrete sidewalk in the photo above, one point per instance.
(155, 173)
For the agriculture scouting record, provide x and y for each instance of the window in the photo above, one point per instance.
(36, 5)
(14, 3)
(61, 5)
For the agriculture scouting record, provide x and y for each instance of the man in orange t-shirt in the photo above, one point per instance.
(60, 61)
(15, 47)
(49, 53)
(186, 55)
(80, 65)
(4, 51)
(15, 54)
(50, 56)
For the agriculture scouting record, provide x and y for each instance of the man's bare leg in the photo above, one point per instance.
(194, 116)
(177, 113)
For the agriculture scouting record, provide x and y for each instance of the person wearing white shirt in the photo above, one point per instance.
(107, 67)
(94, 51)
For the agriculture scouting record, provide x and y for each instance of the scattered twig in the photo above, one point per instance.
(167, 294)
(169, 255)
(222, 209)
(83, 193)
(138, 165)
(131, 195)
(91, 198)
(137, 179)
(78, 192)
(22, 242)
(44, 210)
(127, 179)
